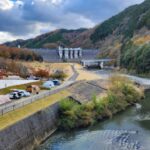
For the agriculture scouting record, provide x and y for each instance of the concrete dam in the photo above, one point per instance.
(53, 55)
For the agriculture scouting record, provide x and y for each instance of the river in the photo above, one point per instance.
(128, 130)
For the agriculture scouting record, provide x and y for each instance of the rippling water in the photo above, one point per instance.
(129, 130)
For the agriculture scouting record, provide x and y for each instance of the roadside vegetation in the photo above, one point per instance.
(121, 94)
(59, 74)
(41, 73)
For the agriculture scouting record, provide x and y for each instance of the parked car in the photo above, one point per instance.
(15, 95)
(34, 89)
(56, 82)
(33, 78)
(48, 84)
(23, 93)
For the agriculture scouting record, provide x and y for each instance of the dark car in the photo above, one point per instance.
(15, 95)
(56, 82)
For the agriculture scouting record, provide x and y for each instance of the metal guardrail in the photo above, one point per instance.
(18, 104)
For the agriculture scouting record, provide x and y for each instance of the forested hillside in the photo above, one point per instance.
(126, 23)
(49, 40)
(127, 33)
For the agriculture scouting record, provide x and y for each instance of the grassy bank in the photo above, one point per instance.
(19, 114)
(121, 94)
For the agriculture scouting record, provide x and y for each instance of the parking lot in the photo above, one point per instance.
(8, 83)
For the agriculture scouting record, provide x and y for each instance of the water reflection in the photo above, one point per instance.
(129, 130)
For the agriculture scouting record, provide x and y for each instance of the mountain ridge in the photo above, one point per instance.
(121, 26)
(119, 35)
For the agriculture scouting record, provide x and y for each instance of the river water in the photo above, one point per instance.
(128, 130)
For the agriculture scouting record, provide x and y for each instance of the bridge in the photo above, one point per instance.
(95, 62)
(87, 57)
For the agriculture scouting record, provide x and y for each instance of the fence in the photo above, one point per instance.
(17, 104)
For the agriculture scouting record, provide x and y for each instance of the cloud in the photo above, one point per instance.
(98, 10)
(6, 4)
(27, 18)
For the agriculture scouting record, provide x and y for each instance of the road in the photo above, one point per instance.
(142, 81)
(75, 74)
(107, 73)
(24, 101)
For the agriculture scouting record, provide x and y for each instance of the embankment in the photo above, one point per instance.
(30, 132)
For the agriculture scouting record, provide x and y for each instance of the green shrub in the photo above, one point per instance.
(58, 75)
(66, 104)
(122, 93)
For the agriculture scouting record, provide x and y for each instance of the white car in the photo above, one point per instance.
(24, 93)
(48, 84)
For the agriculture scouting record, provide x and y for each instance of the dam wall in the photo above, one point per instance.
(31, 131)
(52, 55)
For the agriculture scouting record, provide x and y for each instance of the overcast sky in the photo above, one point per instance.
(28, 18)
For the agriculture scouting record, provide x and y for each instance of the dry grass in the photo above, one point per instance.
(66, 67)
(141, 40)
(21, 113)
(51, 67)
(85, 75)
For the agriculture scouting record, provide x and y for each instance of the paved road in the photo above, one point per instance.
(107, 73)
(142, 81)
(22, 102)
(75, 74)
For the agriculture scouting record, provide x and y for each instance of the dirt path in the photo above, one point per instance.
(84, 74)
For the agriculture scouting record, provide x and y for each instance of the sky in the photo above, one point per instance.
(23, 19)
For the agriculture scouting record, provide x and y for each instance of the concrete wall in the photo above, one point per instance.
(52, 55)
(30, 132)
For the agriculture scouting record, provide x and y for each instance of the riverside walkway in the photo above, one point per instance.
(145, 82)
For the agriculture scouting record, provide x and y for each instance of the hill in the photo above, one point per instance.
(112, 36)
(49, 40)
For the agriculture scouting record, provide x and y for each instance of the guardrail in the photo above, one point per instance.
(18, 104)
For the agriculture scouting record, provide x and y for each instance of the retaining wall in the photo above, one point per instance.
(30, 132)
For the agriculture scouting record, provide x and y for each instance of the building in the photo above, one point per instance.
(70, 53)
